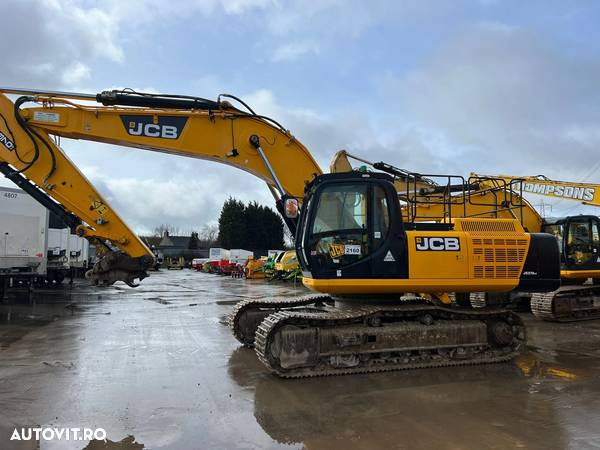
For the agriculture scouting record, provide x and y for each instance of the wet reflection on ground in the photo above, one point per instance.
(127, 443)
(503, 406)
(157, 363)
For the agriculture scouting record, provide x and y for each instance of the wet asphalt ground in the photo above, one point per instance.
(157, 368)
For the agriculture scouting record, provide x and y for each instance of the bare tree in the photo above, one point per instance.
(209, 234)
(171, 229)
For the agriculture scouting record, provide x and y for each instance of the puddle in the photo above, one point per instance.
(554, 364)
(24, 318)
(16, 326)
(224, 319)
(127, 443)
(160, 300)
(227, 302)
(178, 379)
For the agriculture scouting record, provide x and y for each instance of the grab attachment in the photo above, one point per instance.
(118, 266)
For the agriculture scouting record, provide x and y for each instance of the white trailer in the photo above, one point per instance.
(23, 234)
(58, 250)
(239, 256)
(79, 253)
(217, 254)
(29, 248)
(67, 254)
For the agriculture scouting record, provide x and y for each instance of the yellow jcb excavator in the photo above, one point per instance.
(364, 261)
(425, 199)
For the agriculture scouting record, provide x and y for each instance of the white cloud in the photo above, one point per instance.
(493, 98)
(66, 34)
(393, 140)
(146, 11)
(51, 44)
(241, 6)
(99, 27)
(514, 100)
(326, 20)
(209, 83)
(293, 50)
(348, 17)
(504, 100)
(148, 189)
(587, 135)
(75, 73)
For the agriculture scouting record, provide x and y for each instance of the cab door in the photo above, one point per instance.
(338, 237)
(582, 243)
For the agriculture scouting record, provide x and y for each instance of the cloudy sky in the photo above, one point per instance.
(435, 86)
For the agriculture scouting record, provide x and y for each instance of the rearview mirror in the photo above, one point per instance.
(291, 208)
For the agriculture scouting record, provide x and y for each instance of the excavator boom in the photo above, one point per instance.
(177, 125)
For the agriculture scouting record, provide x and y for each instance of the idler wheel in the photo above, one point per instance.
(500, 333)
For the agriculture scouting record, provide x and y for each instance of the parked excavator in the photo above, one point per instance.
(379, 276)
(501, 196)
(578, 240)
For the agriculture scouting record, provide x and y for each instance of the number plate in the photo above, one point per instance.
(352, 250)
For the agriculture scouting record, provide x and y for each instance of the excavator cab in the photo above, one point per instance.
(578, 239)
(346, 229)
(352, 240)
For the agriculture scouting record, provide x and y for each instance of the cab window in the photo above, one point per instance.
(339, 231)
(341, 208)
(381, 217)
(579, 243)
(556, 230)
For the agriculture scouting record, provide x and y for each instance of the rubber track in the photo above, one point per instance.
(275, 303)
(542, 304)
(269, 326)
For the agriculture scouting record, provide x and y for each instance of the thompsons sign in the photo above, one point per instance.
(577, 193)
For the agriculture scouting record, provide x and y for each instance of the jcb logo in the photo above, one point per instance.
(336, 250)
(165, 127)
(152, 130)
(7, 142)
(438, 244)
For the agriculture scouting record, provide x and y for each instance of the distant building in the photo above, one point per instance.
(176, 246)
(151, 241)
